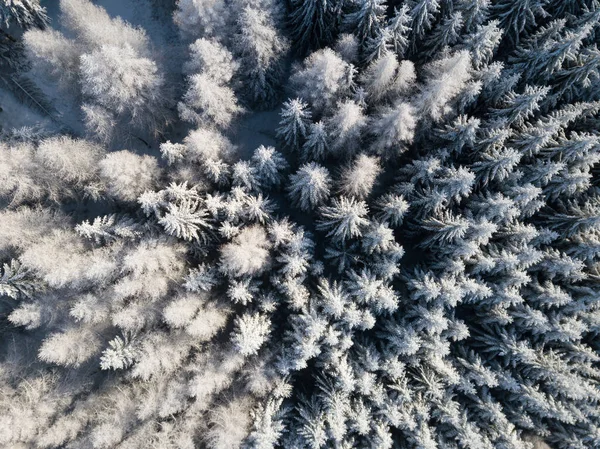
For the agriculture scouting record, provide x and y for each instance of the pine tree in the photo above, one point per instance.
(313, 23)
(260, 48)
(423, 13)
(119, 355)
(295, 118)
(323, 79)
(70, 348)
(247, 254)
(577, 80)
(546, 51)
(483, 43)
(392, 209)
(128, 175)
(575, 218)
(202, 18)
(186, 220)
(474, 12)
(446, 78)
(516, 108)
(26, 13)
(386, 77)
(345, 127)
(358, 179)
(16, 281)
(210, 57)
(399, 29)
(268, 165)
(517, 17)
(367, 20)
(310, 186)
(316, 146)
(445, 34)
(103, 80)
(250, 333)
(393, 128)
(344, 219)
(208, 102)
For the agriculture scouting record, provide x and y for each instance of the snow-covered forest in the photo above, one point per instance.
(300, 224)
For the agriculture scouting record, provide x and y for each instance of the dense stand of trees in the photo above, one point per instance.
(415, 263)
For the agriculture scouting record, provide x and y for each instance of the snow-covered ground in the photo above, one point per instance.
(255, 129)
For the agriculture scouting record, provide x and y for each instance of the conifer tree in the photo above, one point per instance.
(314, 23)
(344, 219)
(367, 20)
(260, 49)
(26, 13)
(310, 186)
(295, 118)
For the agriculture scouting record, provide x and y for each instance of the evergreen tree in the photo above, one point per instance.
(260, 49)
(313, 23)
(316, 146)
(367, 20)
(310, 186)
(344, 219)
(26, 13)
(295, 118)
(394, 127)
(399, 29)
(323, 79)
(516, 17)
(358, 179)
(423, 13)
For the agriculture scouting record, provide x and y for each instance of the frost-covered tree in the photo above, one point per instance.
(345, 128)
(367, 19)
(423, 13)
(314, 22)
(247, 254)
(295, 118)
(69, 348)
(446, 78)
(268, 165)
(199, 18)
(121, 82)
(445, 34)
(385, 77)
(26, 13)
(128, 175)
(392, 209)
(208, 102)
(57, 169)
(358, 179)
(185, 220)
(114, 71)
(344, 219)
(209, 98)
(517, 17)
(250, 333)
(260, 49)
(310, 186)
(211, 58)
(323, 79)
(316, 146)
